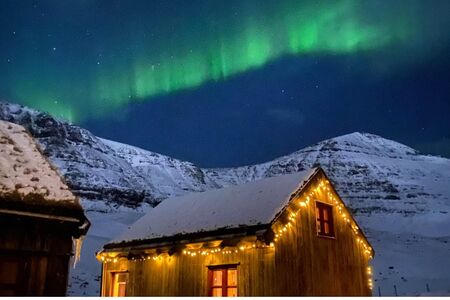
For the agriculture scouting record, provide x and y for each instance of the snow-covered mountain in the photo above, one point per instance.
(400, 197)
(371, 173)
(106, 171)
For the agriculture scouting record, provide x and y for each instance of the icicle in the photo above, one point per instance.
(77, 244)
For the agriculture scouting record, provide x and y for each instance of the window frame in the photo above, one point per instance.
(114, 275)
(224, 285)
(321, 206)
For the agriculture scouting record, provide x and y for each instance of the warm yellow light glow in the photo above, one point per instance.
(281, 229)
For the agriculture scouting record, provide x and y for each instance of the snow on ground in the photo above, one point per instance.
(411, 252)
(84, 279)
(409, 262)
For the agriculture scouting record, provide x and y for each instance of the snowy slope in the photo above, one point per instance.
(371, 173)
(105, 171)
(400, 197)
(171, 177)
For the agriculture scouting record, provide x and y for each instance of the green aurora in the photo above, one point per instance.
(190, 52)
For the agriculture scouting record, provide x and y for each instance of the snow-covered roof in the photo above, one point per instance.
(253, 203)
(24, 170)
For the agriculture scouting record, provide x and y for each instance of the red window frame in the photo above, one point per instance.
(324, 219)
(224, 284)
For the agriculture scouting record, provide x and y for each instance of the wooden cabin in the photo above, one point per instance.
(39, 219)
(289, 235)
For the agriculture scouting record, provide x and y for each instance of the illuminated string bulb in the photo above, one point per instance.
(282, 229)
(370, 282)
(340, 207)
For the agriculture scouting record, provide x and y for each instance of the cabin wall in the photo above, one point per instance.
(183, 275)
(34, 257)
(323, 266)
(300, 263)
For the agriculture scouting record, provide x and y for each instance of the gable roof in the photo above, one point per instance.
(251, 204)
(29, 184)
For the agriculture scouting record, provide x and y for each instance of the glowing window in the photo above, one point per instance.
(324, 219)
(119, 284)
(223, 281)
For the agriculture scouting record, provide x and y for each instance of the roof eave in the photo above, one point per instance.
(180, 239)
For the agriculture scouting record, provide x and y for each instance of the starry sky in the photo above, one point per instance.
(228, 83)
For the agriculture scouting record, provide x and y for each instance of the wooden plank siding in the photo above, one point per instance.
(301, 263)
(37, 255)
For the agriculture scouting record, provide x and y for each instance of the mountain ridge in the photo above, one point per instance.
(98, 169)
(399, 197)
(95, 168)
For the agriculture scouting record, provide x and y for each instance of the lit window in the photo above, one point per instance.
(119, 284)
(324, 219)
(223, 281)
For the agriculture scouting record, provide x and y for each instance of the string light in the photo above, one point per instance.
(369, 273)
(279, 232)
(342, 212)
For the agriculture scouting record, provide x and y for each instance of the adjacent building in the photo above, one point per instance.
(40, 219)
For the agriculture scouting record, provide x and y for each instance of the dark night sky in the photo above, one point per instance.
(227, 83)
